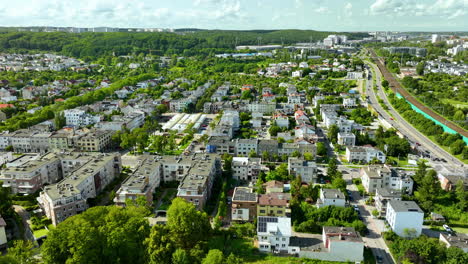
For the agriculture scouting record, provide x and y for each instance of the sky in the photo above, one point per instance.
(323, 15)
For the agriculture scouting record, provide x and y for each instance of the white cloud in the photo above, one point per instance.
(442, 8)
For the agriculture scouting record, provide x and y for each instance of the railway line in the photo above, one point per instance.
(396, 87)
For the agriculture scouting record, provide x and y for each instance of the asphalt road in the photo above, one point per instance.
(374, 239)
(25, 217)
(401, 124)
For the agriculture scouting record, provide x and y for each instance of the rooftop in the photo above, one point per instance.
(244, 194)
(332, 194)
(281, 199)
(459, 240)
(337, 233)
(268, 225)
(405, 206)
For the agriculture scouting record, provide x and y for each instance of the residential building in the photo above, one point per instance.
(274, 187)
(5, 157)
(95, 140)
(274, 204)
(343, 243)
(354, 75)
(381, 176)
(68, 197)
(405, 218)
(221, 145)
(459, 240)
(78, 118)
(346, 139)
(142, 182)
(330, 197)
(245, 146)
(262, 107)
(246, 169)
(267, 145)
(273, 233)
(382, 196)
(29, 173)
(244, 204)
(281, 120)
(306, 169)
(197, 184)
(364, 154)
(450, 176)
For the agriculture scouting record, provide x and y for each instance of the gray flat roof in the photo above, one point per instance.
(405, 206)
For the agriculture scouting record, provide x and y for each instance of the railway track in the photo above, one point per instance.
(396, 87)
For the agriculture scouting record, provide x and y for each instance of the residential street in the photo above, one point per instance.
(373, 240)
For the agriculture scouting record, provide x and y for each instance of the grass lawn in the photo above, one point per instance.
(461, 229)
(456, 103)
(400, 162)
(41, 232)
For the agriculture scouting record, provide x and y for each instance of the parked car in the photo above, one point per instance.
(448, 228)
(379, 259)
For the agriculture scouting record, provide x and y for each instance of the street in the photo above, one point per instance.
(374, 239)
(25, 217)
(399, 123)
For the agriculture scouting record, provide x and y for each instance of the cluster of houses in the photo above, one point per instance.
(452, 68)
(39, 62)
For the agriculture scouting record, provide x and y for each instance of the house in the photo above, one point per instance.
(306, 169)
(449, 176)
(78, 118)
(381, 176)
(330, 197)
(349, 102)
(281, 120)
(297, 74)
(274, 187)
(274, 204)
(405, 218)
(305, 131)
(459, 240)
(246, 169)
(3, 116)
(244, 204)
(382, 196)
(346, 139)
(273, 233)
(364, 154)
(5, 157)
(343, 243)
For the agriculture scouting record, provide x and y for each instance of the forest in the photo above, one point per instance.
(92, 45)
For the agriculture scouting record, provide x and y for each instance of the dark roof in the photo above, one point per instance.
(262, 223)
(244, 194)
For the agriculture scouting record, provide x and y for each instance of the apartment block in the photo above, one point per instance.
(306, 169)
(246, 169)
(274, 204)
(144, 179)
(68, 197)
(405, 218)
(381, 176)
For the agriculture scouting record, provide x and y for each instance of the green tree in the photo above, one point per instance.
(159, 245)
(60, 120)
(332, 168)
(462, 195)
(321, 149)
(428, 190)
(420, 68)
(265, 156)
(180, 256)
(308, 156)
(187, 225)
(333, 133)
(5, 197)
(214, 256)
(233, 259)
(21, 253)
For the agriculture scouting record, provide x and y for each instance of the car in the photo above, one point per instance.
(391, 118)
(448, 228)
(444, 160)
(379, 259)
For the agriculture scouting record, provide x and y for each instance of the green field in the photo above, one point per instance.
(459, 104)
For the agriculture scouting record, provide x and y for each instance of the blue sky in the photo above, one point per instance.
(332, 15)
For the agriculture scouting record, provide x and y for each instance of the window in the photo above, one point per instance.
(283, 245)
(279, 212)
(277, 239)
(283, 239)
(262, 211)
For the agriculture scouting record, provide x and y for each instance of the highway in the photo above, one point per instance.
(399, 123)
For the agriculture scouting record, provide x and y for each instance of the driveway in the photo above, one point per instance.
(28, 235)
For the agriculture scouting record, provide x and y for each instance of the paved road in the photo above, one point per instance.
(401, 124)
(373, 240)
(25, 218)
(396, 87)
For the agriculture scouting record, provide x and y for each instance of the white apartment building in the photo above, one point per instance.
(405, 218)
(5, 157)
(78, 118)
(273, 233)
(364, 154)
(346, 139)
(306, 169)
(281, 120)
(330, 197)
(343, 243)
(246, 169)
(245, 146)
(263, 107)
(382, 197)
(381, 176)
